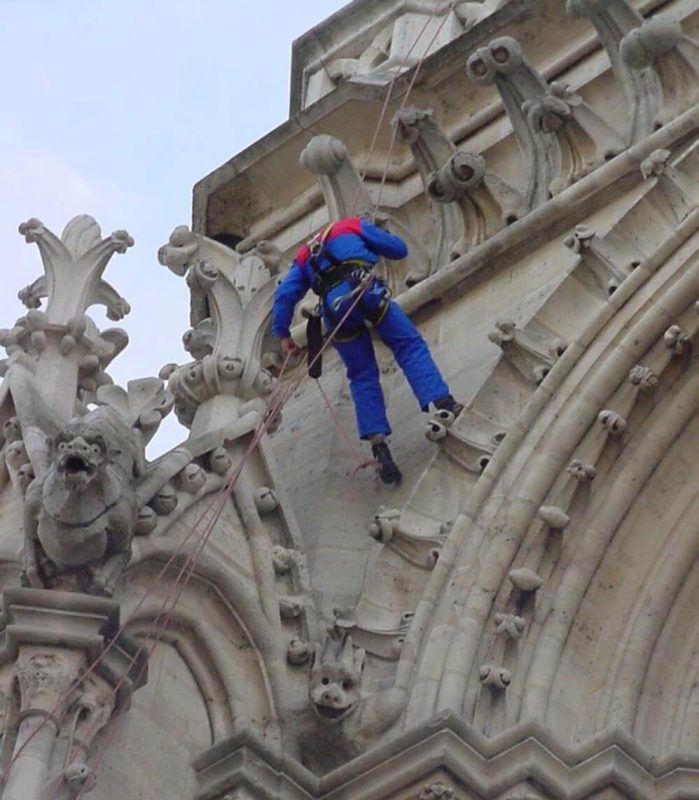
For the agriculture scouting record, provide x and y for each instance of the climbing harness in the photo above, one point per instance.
(217, 504)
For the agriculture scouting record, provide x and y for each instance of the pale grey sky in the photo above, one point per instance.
(115, 108)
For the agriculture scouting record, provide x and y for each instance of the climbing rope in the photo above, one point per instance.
(218, 503)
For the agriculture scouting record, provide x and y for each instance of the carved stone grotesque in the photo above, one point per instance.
(335, 683)
(79, 516)
(345, 719)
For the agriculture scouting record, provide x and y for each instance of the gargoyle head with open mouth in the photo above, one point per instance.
(78, 458)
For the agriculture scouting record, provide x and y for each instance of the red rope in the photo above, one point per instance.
(221, 498)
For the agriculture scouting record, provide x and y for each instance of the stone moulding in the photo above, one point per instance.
(446, 744)
(539, 222)
(471, 202)
(446, 566)
(53, 695)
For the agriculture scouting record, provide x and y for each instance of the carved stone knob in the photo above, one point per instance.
(290, 607)
(496, 678)
(612, 421)
(654, 38)
(436, 791)
(165, 501)
(676, 340)
(323, 155)
(283, 559)
(220, 461)
(191, 479)
(525, 579)
(554, 517)
(265, 500)
(655, 164)
(435, 431)
(298, 651)
(581, 471)
(146, 522)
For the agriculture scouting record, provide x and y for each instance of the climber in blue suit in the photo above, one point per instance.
(336, 265)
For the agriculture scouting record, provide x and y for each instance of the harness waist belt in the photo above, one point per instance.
(330, 278)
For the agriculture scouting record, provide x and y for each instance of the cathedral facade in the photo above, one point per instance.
(253, 615)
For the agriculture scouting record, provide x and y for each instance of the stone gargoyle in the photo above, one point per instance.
(79, 515)
(345, 719)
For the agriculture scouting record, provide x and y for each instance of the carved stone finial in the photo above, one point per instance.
(486, 201)
(324, 155)
(74, 265)
(346, 195)
(231, 301)
(344, 192)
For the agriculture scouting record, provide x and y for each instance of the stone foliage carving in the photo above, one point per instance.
(74, 265)
(438, 790)
(677, 340)
(554, 517)
(230, 338)
(510, 625)
(525, 579)
(614, 423)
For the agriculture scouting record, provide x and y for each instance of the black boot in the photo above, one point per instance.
(388, 471)
(449, 405)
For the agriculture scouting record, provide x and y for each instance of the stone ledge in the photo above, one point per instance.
(448, 745)
(74, 621)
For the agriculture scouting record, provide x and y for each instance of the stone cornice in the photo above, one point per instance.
(570, 203)
(446, 745)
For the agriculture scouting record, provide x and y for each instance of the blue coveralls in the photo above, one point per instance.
(358, 239)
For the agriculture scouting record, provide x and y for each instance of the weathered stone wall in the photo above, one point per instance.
(516, 620)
